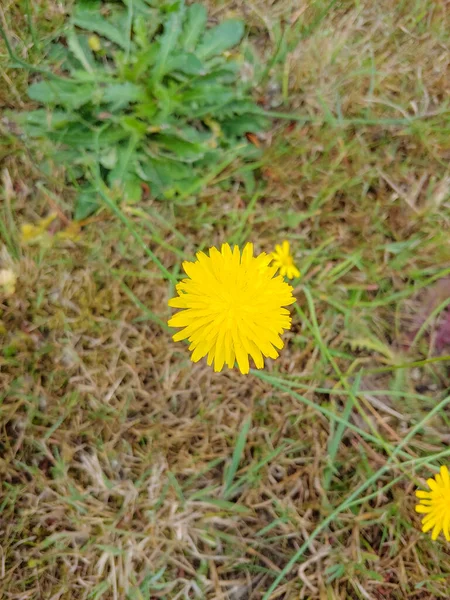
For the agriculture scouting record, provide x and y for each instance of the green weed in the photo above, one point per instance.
(146, 93)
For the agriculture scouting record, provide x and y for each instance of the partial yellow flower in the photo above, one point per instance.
(232, 308)
(282, 259)
(8, 280)
(435, 505)
(35, 233)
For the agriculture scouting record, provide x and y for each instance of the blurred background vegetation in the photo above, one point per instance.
(132, 134)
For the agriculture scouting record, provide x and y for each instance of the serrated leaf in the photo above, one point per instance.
(241, 107)
(66, 93)
(43, 120)
(185, 63)
(120, 95)
(163, 174)
(220, 38)
(206, 96)
(182, 149)
(196, 16)
(167, 44)
(91, 20)
(141, 7)
(145, 27)
(190, 134)
(241, 124)
(164, 171)
(80, 137)
(83, 55)
(173, 95)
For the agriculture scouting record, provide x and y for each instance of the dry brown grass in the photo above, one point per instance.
(114, 448)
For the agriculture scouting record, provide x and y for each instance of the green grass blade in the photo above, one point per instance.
(237, 455)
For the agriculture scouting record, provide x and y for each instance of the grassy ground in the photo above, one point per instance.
(129, 472)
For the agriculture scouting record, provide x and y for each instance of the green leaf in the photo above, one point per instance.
(66, 93)
(207, 95)
(334, 572)
(91, 20)
(242, 124)
(168, 42)
(162, 105)
(182, 149)
(241, 107)
(237, 455)
(128, 186)
(80, 137)
(195, 24)
(248, 177)
(185, 63)
(146, 110)
(220, 38)
(162, 174)
(141, 7)
(143, 61)
(125, 164)
(83, 55)
(132, 190)
(38, 122)
(120, 95)
(109, 158)
(134, 126)
(145, 27)
(225, 505)
(86, 203)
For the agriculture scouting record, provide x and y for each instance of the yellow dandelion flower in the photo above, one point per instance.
(233, 307)
(435, 505)
(282, 259)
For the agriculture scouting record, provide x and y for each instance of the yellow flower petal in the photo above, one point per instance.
(426, 526)
(423, 509)
(283, 260)
(232, 308)
(445, 475)
(446, 527)
(435, 505)
(423, 494)
(432, 484)
(436, 530)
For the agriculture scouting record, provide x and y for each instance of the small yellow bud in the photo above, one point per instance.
(94, 43)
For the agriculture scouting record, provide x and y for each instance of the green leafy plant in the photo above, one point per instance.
(143, 92)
